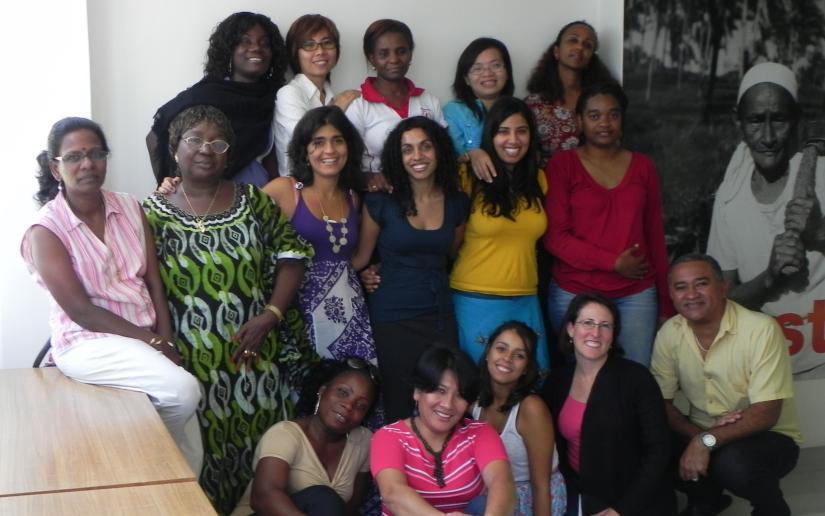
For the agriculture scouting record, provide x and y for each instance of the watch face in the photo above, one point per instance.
(709, 440)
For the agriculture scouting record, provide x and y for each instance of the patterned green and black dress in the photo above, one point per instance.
(215, 281)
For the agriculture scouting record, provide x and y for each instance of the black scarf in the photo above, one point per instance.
(249, 107)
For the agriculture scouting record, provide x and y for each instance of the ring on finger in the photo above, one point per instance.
(246, 352)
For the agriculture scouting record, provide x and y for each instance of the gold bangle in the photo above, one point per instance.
(275, 310)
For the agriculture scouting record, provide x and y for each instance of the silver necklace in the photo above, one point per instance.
(337, 242)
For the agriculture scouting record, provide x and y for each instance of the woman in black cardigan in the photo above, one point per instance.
(611, 429)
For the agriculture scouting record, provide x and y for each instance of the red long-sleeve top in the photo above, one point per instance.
(589, 226)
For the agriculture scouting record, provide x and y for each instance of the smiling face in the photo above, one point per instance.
(345, 401)
(488, 75)
(601, 121)
(592, 333)
(442, 409)
(508, 358)
(391, 57)
(87, 175)
(418, 155)
(576, 48)
(697, 293)
(767, 119)
(512, 139)
(327, 151)
(317, 64)
(252, 56)
(201, 162)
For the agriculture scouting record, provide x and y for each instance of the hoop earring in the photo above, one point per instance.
(317, 404)
(60, 185)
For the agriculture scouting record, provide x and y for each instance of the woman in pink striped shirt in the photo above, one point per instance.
(93, 251)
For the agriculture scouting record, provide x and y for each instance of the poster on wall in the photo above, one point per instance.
(728, 98)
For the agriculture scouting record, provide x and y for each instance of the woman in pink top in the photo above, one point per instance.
(605, 225)
(93, 251)
(437, 461)
(611, 429)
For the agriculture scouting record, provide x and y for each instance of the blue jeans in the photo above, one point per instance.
(638, 314)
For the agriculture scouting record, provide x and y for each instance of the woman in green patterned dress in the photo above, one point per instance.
(231, 264)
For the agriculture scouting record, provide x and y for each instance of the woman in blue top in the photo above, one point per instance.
(483, 75)
(416, 228)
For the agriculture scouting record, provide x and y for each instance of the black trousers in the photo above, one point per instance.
(750, 468)
(319, 501)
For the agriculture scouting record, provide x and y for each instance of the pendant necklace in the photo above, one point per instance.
(199, 218)
(337, 242)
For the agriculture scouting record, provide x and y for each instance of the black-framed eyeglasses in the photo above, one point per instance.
(311, 45)
(217, 146)
(75, 157)
(359, 363)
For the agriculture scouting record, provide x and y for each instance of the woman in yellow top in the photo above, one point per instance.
(495, 275)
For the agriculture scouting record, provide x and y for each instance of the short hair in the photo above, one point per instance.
(47, 184)
(544, 79)
(572, 314)
(304, 27)
(306, 128)
(700, 257)
(462, 90)
(525, 382)
(393, 165)
(384, 26)
(192, 116)
(611, 88)
(434, 362)
(503, 197)
(227, 35)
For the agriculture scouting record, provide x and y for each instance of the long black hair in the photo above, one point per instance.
(544, 79)
(525, 382)
(462, 90)
(48, 186)
(505, 195)
(227, 35)
(393, 165)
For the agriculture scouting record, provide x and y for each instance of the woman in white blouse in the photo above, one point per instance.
(313, 46)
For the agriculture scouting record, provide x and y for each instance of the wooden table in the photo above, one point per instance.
(172, 499)
(59, 435)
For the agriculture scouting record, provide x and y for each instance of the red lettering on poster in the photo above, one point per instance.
(795, 336)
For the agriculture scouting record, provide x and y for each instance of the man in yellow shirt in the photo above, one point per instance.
(741, 432)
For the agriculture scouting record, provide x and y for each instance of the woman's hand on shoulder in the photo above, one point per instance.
(482, 165)
(168, 186)
(345, 98)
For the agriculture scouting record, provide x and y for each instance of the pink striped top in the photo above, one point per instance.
(570, 427)
(471, 448)
(111, 272)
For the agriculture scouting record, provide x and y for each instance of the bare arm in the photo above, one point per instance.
(54, 265)
(401, 499)
(678, 422)
(282, 191)
(536, 428)
(458, 239)
(269, 496)
(501, 490)
(366, 241)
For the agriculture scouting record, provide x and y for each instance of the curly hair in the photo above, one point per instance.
(544, 79)
(380, 27)
(509, 189)
(462, 90)
(612, 89)
(572, 314)
(325, 372)
(308, 125)
(190, 117)
(304, 27)
(525, 383)
(392, 161)
(227, 35)
(48, 186)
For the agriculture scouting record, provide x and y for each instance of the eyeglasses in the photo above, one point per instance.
(73, 158)
(311, 45)
(217, 146)
(478, 68)
(590, 324)
(360, 363)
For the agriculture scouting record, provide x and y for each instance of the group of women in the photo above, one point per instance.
(436, 215)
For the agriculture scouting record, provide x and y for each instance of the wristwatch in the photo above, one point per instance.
(708, 439)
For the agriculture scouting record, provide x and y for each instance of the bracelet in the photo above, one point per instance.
(275, 310)
(154, 341)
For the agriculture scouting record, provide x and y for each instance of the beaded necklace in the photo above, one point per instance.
(337, 242)
(438, 471)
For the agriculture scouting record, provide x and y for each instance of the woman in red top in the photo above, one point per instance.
(605, 224)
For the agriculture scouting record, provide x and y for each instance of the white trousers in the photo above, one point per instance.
(131, 364)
